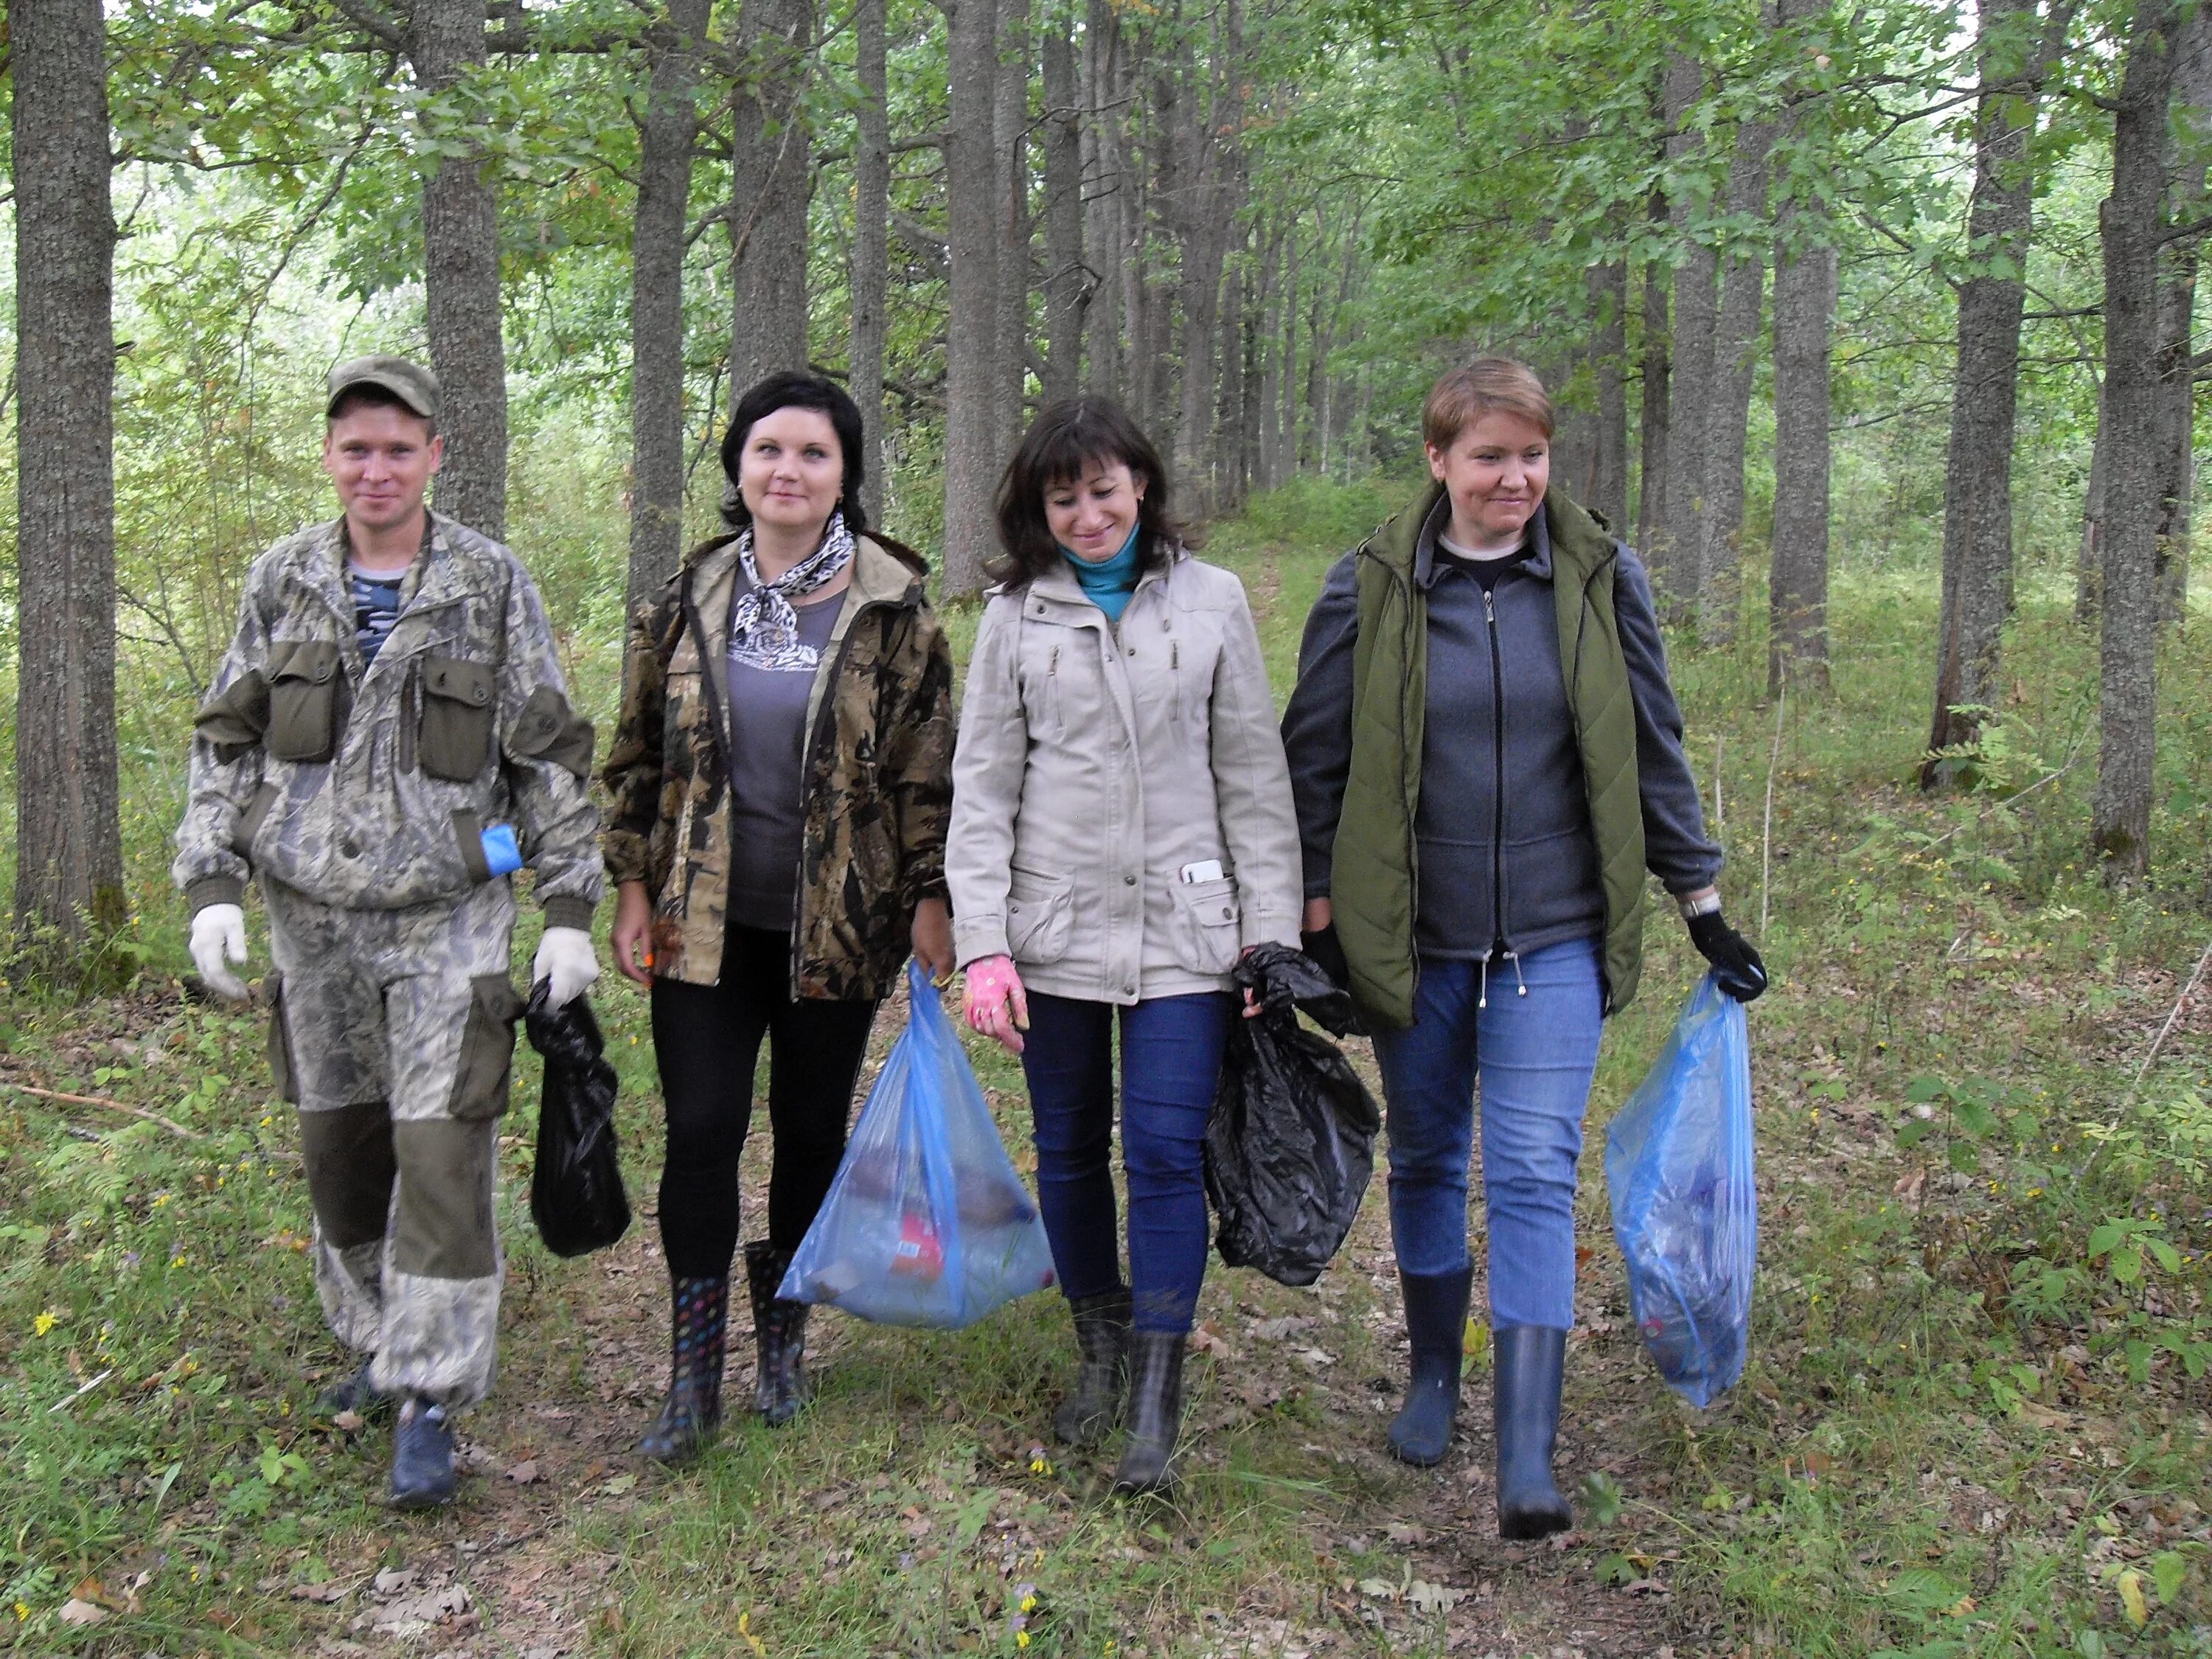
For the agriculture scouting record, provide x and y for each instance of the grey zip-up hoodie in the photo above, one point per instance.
(1507, 860)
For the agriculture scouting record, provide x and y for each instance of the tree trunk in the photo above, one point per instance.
(871, 278)
(460, 282)
(2186, 203)
(68, 846)
(656, 309)
(971, 387)
(1106, 234)
(1204, 236)
(2129, 223)
(1608, 486)
(1985, 393)
(771, 171)
(1696, 276)
(1735, 341)
(1804, 311)
(1658, 406)
(1010, 179)
(1268, 349)
(1066, 288)
(2088, 567)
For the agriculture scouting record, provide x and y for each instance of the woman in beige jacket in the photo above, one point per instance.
(1122, 831)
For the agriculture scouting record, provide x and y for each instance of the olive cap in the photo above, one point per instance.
(412, 384)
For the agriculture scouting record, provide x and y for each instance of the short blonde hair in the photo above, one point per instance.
(1486, 386)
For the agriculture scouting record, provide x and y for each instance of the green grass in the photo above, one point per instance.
(1975, 1420)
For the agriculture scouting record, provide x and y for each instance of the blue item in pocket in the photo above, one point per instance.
(926, 1222)
(502, 856)
(1678, 1167)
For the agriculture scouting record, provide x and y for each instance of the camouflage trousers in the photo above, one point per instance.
(393, 1033)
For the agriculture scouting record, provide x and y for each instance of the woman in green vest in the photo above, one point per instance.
(1486, 757)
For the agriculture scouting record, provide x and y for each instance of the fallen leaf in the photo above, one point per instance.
(1207, 1338)
(325, 1594)
(1910, 1187)
(1405, 1534)
(618, 1485)
(523, 1472)
(75, 1612)
(1424, 1597)
(2043, 1417)
(1381, 1589)
(2131, 1588)
(351, 1422)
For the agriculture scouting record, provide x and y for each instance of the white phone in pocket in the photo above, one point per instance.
(1202, 870)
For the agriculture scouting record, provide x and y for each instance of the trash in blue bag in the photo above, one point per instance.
(926, 1222)
(1678, 1166)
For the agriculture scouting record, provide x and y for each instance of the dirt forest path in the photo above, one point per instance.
(553, 1541)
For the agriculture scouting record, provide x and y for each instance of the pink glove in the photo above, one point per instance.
(996, 1004)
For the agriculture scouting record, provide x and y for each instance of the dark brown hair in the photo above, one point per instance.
(1487, 385)
(1069, 436)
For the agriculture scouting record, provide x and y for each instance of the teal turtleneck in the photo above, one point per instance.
(1110, 582)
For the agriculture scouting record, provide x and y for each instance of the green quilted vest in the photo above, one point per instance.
(1374, 874)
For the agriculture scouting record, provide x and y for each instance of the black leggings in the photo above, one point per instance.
(706, 1040)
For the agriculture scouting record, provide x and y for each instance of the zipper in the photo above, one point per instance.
(1498, 834)
(1052, 693)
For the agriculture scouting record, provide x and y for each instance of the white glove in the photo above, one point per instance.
(566, 958)
(219, 934)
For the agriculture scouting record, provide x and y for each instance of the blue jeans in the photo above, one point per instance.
(1171, 1050)
(1533, 1057)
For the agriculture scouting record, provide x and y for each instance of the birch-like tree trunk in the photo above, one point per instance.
(771, 172)
(1106, 237)
(2179, 259)
(871, 207)
(656, 309)
(1985, 392)
(69, 840)
(460, 282)
(2129, 225)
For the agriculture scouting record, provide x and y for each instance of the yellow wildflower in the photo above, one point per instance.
(45, 1322)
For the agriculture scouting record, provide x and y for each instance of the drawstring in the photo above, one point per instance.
(1514, 957)
(1482, 999)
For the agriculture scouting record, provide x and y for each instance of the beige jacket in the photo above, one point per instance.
(1095, 762)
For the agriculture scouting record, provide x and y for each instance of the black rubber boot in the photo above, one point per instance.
(1155, 1414)
(354, 1393)
(1435, 1320)
(698, 1336)
(780, 1385)
(1102, 1333)
(422, 1457)
(1530, 1361)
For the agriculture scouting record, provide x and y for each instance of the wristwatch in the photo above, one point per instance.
(1692, 908)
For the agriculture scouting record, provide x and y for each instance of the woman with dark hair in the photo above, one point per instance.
(781, 783)
(1488, 756)
(1121, 832)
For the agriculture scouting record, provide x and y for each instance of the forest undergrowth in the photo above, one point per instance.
(1975, 1420)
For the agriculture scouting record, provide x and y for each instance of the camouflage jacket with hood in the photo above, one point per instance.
(368, 786)
(877, 772)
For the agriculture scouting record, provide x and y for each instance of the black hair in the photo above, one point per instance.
(796, 389)
(1064, 439)
(371, 396)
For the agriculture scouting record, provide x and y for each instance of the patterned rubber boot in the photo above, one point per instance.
(698, 1322)
(780, 1384)
(1155, 1412)
(1102, 1336)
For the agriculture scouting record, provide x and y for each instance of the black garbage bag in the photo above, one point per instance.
(1292, 1145)
(576, 1195)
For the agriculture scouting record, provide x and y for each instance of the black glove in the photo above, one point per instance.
(1327, 952)
(1737, 966)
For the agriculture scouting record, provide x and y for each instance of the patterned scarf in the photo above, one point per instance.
(763, 628)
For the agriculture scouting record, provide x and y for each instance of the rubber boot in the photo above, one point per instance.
(1530, 1360)
(780, 1385)
(354, 1393)
(698, 1336)
(422, 1457)
(1102, 1333)
(1155, 1413)
(1436, 1322)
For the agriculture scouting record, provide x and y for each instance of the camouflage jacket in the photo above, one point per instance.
(878, 771)
(368, 786)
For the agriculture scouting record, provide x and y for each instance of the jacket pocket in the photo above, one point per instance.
(280, 1042)
(303, 701)
(236, 718)
(1040, 916)
(1207, 934)
(251, 820)
(548, 729)
(455, 741)
(480, 1079)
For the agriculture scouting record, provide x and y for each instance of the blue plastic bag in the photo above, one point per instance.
(926, 1222)
(1678, 1166)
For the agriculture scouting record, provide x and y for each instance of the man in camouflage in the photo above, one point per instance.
(387, 740)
